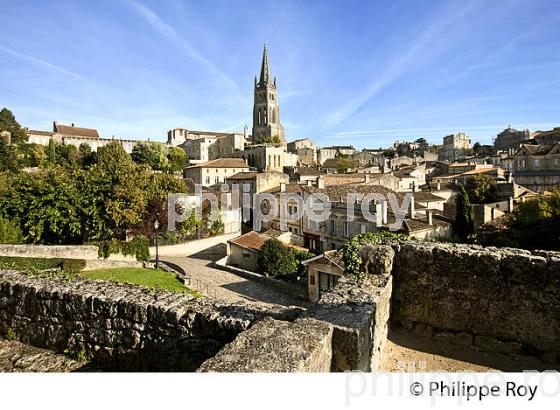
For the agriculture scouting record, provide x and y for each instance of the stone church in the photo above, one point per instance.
(267, 128)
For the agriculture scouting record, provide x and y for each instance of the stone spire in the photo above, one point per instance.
(265, 71)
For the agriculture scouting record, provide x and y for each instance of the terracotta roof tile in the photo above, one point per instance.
(78, 131)
(223, 163)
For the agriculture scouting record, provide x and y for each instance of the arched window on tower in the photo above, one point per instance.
(265, 117)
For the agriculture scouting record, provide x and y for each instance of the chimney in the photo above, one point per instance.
(378, 214)
(282, 187)
(412, 208)
(384, 212)
(321, 182)
(510, 204)
(429, 217)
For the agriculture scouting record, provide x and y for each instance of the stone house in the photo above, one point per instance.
(266, 157)
(209, 147)
(216, 172)
(323, 273)
(455, 146)
(537, 167)
(72, 135)
(510, 138)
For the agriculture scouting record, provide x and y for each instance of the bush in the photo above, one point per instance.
(10, 231)
(73, 265)
(277, 260)
(351, 249)
(137, 247)
(14, 262)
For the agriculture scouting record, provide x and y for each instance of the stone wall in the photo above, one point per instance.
(50, 251)
(497, 299)
(121, 327)
(277, 346)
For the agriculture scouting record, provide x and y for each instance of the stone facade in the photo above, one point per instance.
(455, 146)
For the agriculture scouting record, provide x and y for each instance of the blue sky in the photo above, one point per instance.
(349, 72)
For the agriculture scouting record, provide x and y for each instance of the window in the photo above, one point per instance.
(363, 228)
(345, 229)
(246, 254)
(207, 180)
(312, 280)
(217, 180)
(333, 227)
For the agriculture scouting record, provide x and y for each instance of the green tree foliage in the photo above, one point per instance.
(8, 157)
(70, 204)
(277, 260)
(351, 249)
(481, 189)
(8, 123)
(10, 232)
(464, 217)
(51, 151)
(177, 158)
(535, 223)
(152, 154)
(31, 155)
(86, 157)
(343, 164)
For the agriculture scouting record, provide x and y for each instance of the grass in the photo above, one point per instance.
(151, 278)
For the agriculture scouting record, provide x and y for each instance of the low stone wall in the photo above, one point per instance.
(86, 252)
(50, 251)
(212, 246)
(122, 327)
(497, 299)
(277, 346)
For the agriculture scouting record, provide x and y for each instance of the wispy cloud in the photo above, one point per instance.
(40, 63)
(422, 47)
(169, 33)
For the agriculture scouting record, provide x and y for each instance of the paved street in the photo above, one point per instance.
(223, 285)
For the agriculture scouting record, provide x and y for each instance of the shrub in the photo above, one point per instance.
(277, 260)
(14, 262)
(10, 231)
(73, 265)
(351, 249)
(137, 247)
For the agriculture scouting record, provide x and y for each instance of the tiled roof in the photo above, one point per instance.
(243, 175)
(71, 130)
(37, 132)
(539, 149)
(251, 240)
(330, 163)
(480, 171)
(342, 179)
(306, 171)
(292, 188)
(223, 163)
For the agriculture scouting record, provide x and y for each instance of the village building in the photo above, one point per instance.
(455, 146)
(511, 138)
(216, 172)
(72, 135)
(537, 167)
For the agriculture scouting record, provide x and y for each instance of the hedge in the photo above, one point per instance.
(40, 264)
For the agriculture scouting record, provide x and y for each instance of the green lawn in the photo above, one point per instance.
(151, 278)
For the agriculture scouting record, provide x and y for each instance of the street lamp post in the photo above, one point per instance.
(156, 226)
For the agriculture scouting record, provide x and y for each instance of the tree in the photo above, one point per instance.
(464, 217)
(481, 189)
(177, 159)
(8, 158)
(343, 165)
(51, 151)
(86, 157)
(535, 223)
(277, 260)
(8, 123)
(10, 231)
(477, 148)
(152, 154)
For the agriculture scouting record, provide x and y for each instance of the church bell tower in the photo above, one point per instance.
(266, 112)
